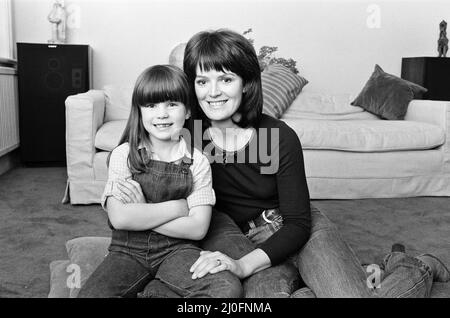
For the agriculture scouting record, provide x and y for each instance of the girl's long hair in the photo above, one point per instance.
(156, 84)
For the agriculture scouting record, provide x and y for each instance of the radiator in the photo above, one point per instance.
(9, 110)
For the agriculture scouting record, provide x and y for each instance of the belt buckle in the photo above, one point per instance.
(263, 214)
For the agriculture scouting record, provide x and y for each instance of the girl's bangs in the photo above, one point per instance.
(161, 89)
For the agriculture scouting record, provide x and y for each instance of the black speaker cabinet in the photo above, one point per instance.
(47, 75)
(433, 73)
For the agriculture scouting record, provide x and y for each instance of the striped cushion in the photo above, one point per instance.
(280, 87)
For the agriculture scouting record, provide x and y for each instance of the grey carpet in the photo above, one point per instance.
(35, 225)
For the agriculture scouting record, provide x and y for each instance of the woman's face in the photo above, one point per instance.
(219, 93)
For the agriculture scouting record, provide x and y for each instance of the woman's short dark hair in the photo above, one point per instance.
(226, 50)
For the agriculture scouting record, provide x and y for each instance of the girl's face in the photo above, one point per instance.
(164, 121)
(219, 94)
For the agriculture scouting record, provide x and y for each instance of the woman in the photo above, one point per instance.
(263, 228)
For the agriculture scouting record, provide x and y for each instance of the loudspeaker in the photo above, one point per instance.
(47, 75)
(433, 73)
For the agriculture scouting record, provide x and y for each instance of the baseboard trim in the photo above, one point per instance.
(9, 161)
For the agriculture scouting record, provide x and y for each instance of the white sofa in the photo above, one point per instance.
(349, 153)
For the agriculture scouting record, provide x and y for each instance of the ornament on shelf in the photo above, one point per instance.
(57, 18)
(443, 41)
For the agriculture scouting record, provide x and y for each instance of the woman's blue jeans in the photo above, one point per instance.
(326, 264)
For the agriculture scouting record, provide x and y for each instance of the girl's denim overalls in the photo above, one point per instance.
(162, 181)
(136, 258)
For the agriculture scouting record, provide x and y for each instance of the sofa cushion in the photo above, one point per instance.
(367, 135)
(387, 95)
(101, 166)
(108, 136)
(117, 102)
(176, 56)
(324, 103)
(324, 106)
(363, 135)
(280, 87)
(296, 114)
(58, 279)
(87, 253)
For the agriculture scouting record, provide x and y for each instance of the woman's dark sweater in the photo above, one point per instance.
(268, 173)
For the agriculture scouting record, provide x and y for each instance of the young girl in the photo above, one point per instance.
(158, 198)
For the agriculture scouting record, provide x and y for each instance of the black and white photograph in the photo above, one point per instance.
(237, 151)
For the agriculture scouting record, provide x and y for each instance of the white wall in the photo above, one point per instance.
(335, 49)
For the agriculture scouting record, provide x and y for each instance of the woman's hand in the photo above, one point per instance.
(129, 191)
(214, 262)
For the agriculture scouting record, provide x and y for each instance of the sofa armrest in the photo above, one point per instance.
(429, 111)
(84, 116)
(433, 112)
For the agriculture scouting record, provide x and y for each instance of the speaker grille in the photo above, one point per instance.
(47, 75)
(54, 81)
